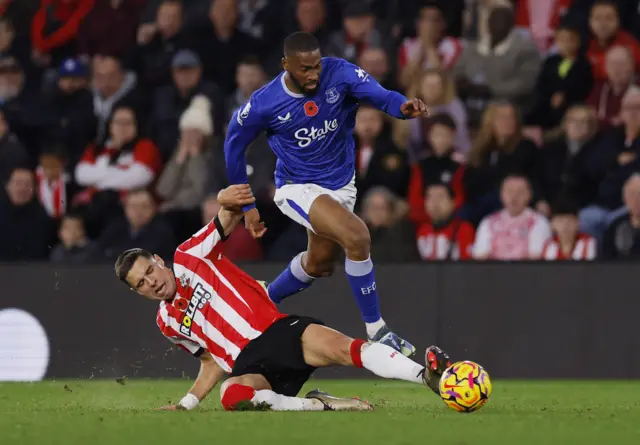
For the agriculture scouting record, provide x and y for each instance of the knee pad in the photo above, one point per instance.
(235, 394)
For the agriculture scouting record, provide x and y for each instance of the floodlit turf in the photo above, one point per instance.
(107, 412)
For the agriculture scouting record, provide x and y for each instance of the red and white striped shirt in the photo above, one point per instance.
(584, 249)
(52, 194)
(449, 49)
(501, 236)
(217, 306)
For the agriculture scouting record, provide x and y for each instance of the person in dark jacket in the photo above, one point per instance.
(622, 237)
(500, 149)
(392, 237)
(380, 162)
(561, 164)
(615, 159)
(27, 231)
(169, 102)
(12, 153)
(74, 248)
(141, 227)
(566, 79)
(70, 110)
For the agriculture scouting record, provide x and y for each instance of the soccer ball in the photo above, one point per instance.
(465, 386)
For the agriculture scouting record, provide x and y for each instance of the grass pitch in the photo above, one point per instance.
(98, 412)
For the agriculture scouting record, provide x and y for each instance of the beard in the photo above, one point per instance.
(304, 90)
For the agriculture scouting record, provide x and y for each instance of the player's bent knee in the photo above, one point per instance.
(234, 394)
(320, 269)
(357, 240)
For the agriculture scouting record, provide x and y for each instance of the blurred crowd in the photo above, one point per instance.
(113, 115)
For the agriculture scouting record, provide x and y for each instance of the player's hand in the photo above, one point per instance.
(414, 108)
(253, 224)
(235, 197)
(171, 408)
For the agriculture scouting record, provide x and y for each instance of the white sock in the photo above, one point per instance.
(279, 402)
(386, 362)
(373, 328)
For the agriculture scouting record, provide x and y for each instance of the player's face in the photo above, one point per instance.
(304, 70)
(150, 278)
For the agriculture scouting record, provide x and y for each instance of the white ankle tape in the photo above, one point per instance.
(189, 402)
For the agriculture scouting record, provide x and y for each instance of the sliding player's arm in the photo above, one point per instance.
(245, 125)
(208, 377)
(365, 88)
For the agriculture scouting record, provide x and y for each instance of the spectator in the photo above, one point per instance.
(607, 95)
(476, 16)
(444, 236)
(376, 62)
(220, 40)
(613, 161)
(500, 149)
(567, 242)
(429, 49)
(182, 184)
(250, 76)
(621, 240)
(54, 29)
(26, 229)
(21, 105)
(565, 80)
(155, 52)
(18, 47)
(108, 171)
(439, 167)
(20, 13)
(169, 102)
(240, 246)
(380, 162)
(141, 227)
(55, 187)
(70, 110)
(96, 34)
(604, 23)
(113, 87)
(311, 17)
(503, 65)
(562, 161)
(540, 20)
(262, 20)
(438, 92)
(75, 247)
(392, 237)
(358, 33)
(12, 153)
(516, 232)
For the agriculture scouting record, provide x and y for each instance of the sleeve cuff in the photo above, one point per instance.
(248, 207)
(220, 229)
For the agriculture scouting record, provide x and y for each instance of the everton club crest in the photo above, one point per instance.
(332, 95)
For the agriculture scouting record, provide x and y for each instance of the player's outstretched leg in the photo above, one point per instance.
(323, 346)
(331, 221)
(252, 392)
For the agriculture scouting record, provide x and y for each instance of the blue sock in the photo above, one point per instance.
(363, 284)
(291, 281)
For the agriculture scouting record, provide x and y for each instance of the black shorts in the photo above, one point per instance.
(277, 355)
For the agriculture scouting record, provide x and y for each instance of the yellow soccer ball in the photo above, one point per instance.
(465, 386)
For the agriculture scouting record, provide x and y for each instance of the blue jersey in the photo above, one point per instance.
(311, 135)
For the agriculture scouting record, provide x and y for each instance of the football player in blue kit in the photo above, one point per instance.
(308, 113)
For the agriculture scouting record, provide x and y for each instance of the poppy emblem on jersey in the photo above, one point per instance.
(332, 95)
(310, 108)
(180, 303)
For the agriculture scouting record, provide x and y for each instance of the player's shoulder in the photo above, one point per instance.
(335, 65)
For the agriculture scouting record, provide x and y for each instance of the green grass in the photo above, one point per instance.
(522, 413)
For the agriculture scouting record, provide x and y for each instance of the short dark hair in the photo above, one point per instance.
(55, 149)
(565, 205)
(447, 187)
(250, 59)
(569, 28)
(127, 259)
(610, 3)
(443, 119)
(300, 42)
(517, 175)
